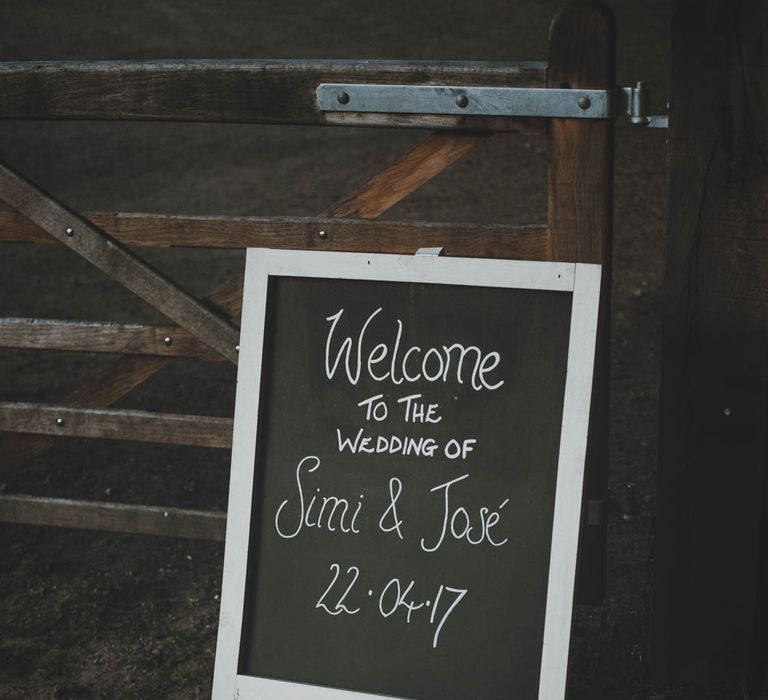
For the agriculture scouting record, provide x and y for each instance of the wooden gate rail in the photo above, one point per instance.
(114, 517)
(530, 242)
(89, 336)
(244, 91)
(138, 426)
(582, 54)
(579, 229)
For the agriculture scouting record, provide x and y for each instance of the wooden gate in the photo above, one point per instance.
(579, 228)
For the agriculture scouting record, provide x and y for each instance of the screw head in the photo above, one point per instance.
(584, 102)
(69, 232)
(343, 98)
(462, 101)
(727, 411)
(59, 421)
(322, 234)
(168, 340)
(237, 348)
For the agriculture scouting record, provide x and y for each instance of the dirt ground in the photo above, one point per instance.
(93, 615)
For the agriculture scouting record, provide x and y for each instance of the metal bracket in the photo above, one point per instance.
(636, 108)
(430, 252)
(481, 101)
(466, 101)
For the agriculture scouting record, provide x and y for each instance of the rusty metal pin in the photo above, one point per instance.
(462, 101)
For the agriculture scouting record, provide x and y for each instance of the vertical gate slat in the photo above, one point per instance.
(582, 54)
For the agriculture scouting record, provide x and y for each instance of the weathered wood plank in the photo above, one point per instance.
(106, 387)
(85, 336)
(302, 233)
(710, 597)
(113, 517)
(129, 372)
(530, 126)
(582, 54)
(242, 91)
(140, 426)
(112, 258)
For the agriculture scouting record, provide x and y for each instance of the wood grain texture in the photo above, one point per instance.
(418, 166)
(131, 339)
(240, 91)
(113, 517)
(112, 258)
(302, 233)
(106, 387)
(710, 593)
(582, 54)
(139, 426)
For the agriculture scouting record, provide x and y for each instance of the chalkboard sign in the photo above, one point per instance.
(406, 479)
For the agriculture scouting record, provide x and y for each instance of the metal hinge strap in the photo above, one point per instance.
(478, 101)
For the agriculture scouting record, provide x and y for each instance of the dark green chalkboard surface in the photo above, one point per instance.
(404, 483)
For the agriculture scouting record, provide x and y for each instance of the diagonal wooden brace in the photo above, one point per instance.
(423, 162)
(112, 258)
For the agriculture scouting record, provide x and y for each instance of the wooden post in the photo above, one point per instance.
(582, 53)
(712, 450)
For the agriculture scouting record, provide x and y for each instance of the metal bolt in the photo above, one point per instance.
(59, 421)
(462, 101)
(167, 340)
(585, 102)
(69, 232)
(322, 234)
(237, 348)
(343, 98)
(165, 514)
(727, 411)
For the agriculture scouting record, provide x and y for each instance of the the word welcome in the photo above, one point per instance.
(389, 362)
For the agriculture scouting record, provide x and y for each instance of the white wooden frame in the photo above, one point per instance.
(582, 280)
